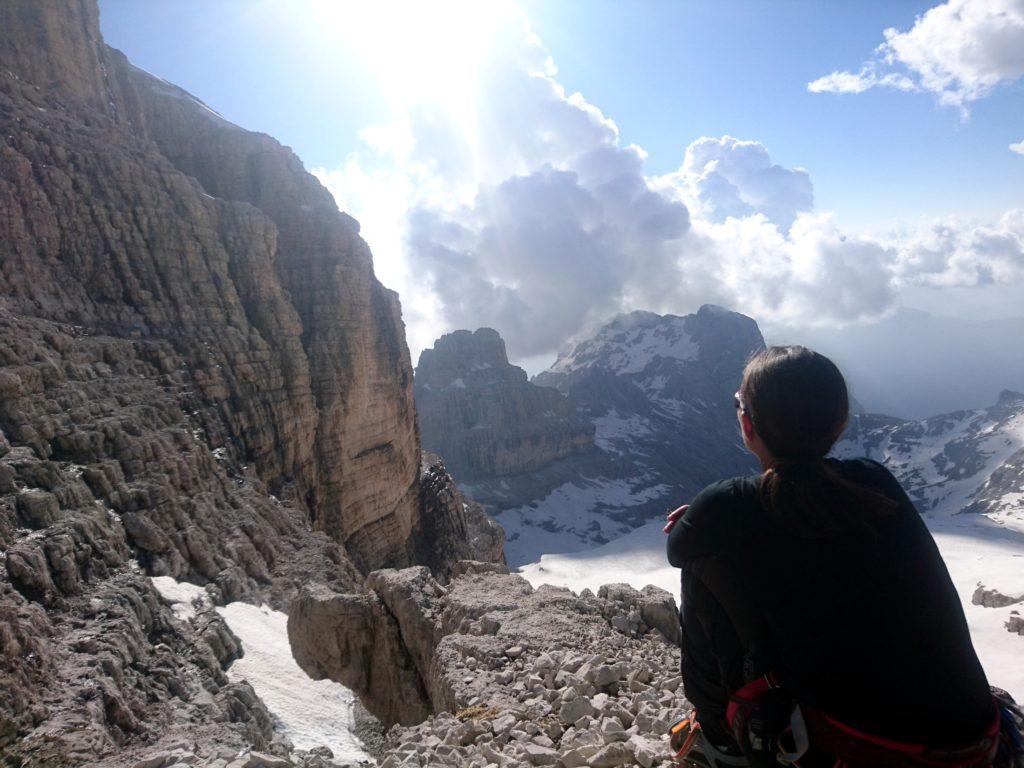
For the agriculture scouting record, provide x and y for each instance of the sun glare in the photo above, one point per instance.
(420, 52)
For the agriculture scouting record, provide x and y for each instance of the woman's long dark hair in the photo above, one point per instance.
(799, 405)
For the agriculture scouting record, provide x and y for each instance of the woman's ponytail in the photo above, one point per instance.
(799, 405)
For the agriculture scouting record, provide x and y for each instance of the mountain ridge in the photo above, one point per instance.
(649, 385)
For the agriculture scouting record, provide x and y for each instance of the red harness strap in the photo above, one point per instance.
(748, 693)
(859, 747)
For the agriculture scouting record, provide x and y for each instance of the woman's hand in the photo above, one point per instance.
(673, 516)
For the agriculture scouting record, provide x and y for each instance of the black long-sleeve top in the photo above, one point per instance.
(867, 625)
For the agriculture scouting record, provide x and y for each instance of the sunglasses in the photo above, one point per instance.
(737, 401)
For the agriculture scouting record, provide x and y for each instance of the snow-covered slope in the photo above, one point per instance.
(630, 344)
(965, 472)
(310, 713)
(971, 461)
(658, 392)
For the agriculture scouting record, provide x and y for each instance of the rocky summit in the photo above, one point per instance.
(657, 392)
(200, 379)
(482, 415)
(487, 671)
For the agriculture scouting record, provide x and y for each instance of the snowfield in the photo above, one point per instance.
(631, 342)
(309, 712)
(569, 518)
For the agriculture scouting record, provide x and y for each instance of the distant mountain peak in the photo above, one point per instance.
(481, 414)
(646, 345)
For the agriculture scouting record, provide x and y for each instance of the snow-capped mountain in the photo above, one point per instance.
(967, 461)
(658, 392)
(629, 344)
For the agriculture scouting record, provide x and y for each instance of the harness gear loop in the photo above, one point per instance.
(691, 735)
(801, 739)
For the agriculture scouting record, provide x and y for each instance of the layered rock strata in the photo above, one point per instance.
(131, 208)
(504, 674)
(105, 476)
(484, 417)
(200, 378)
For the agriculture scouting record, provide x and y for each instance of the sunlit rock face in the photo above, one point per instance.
(596, 676)
(482, 415)
(200, 378)
(138, 211)
(658, 390)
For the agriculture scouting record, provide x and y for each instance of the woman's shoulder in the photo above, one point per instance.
(729, 490)
(865, 470)
(714, 517)
(872, 473)
(730, 495)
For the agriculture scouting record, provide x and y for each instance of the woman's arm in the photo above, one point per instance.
(691, 527)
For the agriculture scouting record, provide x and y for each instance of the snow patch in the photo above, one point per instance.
(309, 712)
(182, 596)
(613, 428)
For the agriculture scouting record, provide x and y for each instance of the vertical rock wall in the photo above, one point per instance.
(200, 378)
(484, 417)
(133, 209)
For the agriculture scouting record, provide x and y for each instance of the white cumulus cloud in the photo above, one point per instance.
(514, 204)
(727, 177)
(1018, 147)
(959, 51)
(951, 253)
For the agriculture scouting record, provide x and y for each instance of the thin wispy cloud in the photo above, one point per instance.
(959, 51)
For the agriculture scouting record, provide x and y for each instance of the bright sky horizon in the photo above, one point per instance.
(748, 139)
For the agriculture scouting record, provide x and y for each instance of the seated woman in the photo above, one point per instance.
(814, 600)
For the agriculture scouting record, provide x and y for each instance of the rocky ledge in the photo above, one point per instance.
(487, 671)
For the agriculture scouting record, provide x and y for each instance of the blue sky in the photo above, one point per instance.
(666, 72)
(916, 193)
(677, 71)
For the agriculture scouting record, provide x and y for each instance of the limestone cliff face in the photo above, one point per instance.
(134, 209)
(201, 378)
(482, 415)
(362, 474)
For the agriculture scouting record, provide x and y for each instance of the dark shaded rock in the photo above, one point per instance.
(37, 509)
(482, 415)
(993, 598)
